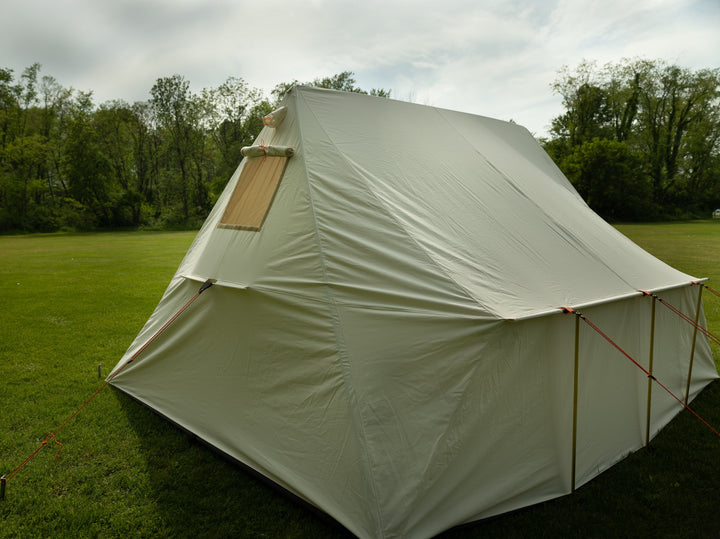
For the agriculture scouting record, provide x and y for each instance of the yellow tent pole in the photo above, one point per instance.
(575, 402)
(694, 340)
(650, 370)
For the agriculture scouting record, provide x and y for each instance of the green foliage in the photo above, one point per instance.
(667, 117)
(605, 173)
(66, 164)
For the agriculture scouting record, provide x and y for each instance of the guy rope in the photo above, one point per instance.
(647, 372)
(53, 435)
(636, 363)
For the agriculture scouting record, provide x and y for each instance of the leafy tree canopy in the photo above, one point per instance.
(667, 119)
(68, 164)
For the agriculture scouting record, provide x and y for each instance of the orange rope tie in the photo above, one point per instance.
(706, 287)
(12, 474)
(685, 317)
(28, 459)
(52, 434)
(647, 373)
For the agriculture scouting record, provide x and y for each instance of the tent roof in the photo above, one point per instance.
(469, 208)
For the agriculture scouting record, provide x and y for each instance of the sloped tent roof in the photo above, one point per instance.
(386, 343)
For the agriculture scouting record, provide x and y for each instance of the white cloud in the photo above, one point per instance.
(491, 57)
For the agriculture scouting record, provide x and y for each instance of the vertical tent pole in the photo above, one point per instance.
(575, 403)
(650, 370)
(694, 340)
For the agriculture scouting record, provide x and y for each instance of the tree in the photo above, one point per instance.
(176, 115)
(233, 114)
(65, 162)
(87, 168)
(666, 115)
(114, 123)
(675, 105)
(605, 174)
(24, 156)
(146, 161)
(23, 153)
(56, 103)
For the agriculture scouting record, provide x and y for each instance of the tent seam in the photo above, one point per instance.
(414, 240)
(339, 338)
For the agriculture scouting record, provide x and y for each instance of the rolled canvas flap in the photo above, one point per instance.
(275, 118)
(267, 151)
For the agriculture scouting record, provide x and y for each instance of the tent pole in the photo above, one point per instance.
(575, 403)
(650, 370)
(694, 340)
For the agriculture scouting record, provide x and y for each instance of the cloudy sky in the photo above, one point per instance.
(497, 58)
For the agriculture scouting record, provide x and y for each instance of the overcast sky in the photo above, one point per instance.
(497, 58)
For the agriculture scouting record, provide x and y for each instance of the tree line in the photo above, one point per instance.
(66, 164)
(639, 140)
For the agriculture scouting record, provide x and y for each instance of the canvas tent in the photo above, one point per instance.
(383, 337)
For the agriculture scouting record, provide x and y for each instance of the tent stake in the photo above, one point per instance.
(575, 403)
(3, 482)
(99, 371)
(650, 370)
(694, 340)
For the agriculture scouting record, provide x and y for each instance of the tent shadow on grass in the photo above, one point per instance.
(198, 492)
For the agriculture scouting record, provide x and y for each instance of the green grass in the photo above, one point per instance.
(71, 302)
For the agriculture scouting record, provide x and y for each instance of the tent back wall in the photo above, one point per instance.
(388, 345)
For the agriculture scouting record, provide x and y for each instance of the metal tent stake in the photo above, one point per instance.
(3, 482)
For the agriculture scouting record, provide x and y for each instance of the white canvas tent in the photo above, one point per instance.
(384, 337)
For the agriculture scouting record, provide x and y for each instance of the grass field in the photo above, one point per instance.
(71, 302)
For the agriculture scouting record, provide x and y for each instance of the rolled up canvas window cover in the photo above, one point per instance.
(396, 354)
(275, 118)
(267, 151)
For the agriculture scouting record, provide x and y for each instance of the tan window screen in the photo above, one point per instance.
(254, 193)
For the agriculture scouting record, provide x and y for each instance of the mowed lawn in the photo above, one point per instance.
(70, 302)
